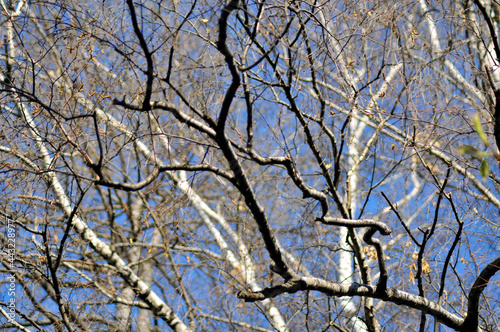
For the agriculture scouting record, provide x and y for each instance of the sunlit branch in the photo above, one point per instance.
(14, 323)
(145, 292)
(203, 210)
(335, 289)
(206, 213)
(436, 49)
(378, 225)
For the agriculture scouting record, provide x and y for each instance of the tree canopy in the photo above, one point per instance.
(242, 165)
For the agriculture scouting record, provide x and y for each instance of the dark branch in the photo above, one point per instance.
(472, 321)
(147, 54)
(228, 57)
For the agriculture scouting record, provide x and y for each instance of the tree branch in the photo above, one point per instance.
(228, 57)
(147, 54)
(391, 295)
(472, 320)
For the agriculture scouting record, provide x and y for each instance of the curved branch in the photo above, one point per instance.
(228, 57)
(471, 322)
(378, 225)
(130, 186)
(391, 294)
(156, 172)
(368, 238)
